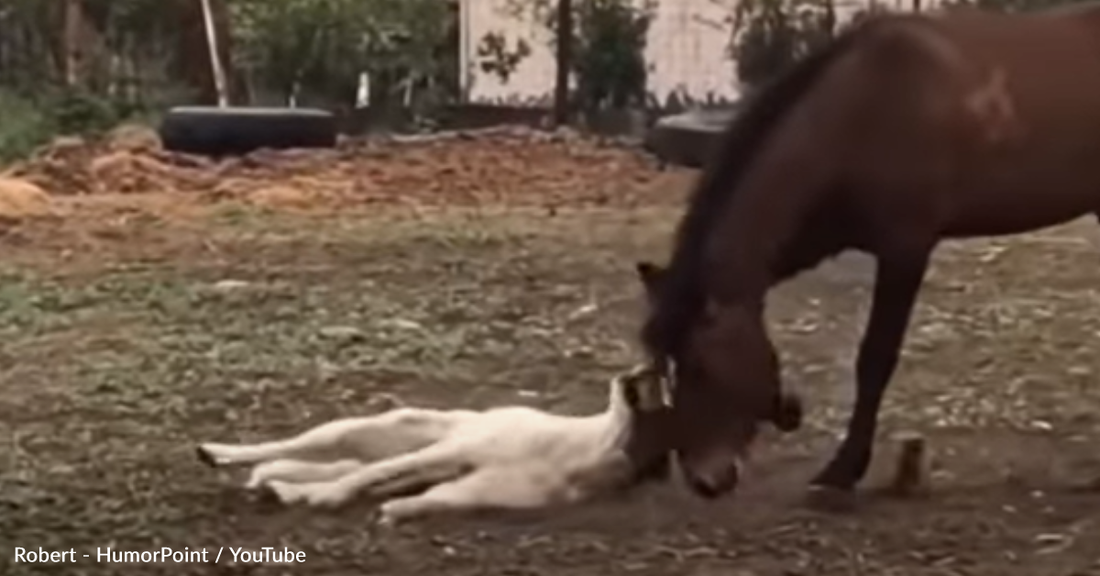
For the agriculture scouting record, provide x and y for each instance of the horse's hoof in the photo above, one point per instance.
(831, 499)
(205, 456)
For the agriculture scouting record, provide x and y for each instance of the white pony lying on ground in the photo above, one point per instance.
(506, 457)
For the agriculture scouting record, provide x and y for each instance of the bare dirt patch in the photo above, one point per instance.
(121, 351)
(508, 166)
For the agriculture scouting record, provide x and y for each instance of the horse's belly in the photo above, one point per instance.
(1006, 225)
(1021, 208)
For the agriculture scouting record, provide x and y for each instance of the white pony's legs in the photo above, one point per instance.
(299, 471)
(436, 463)
(365, 439)
(486, 488)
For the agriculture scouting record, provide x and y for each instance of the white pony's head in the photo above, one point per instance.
(639, 400)
(637, 391)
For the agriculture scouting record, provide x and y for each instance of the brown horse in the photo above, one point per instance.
(905, 130)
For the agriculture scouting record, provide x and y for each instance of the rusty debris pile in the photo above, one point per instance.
(500, 166)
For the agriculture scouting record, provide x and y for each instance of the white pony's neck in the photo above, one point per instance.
(611, 428)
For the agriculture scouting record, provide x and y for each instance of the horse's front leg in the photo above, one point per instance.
(898, 280)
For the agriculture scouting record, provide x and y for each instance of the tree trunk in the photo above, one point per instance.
(73, 17)
(194, 53)
(81, 51)
(564, 60)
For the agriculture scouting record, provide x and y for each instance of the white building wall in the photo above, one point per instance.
(686, 49)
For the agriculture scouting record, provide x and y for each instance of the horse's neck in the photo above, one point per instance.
(777, 224)
(749, 254)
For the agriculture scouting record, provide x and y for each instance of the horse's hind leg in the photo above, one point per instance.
(897, 283)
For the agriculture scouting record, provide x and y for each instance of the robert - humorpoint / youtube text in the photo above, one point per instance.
(162, 555)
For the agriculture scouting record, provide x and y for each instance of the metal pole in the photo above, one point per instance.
(74, 13)
(215, 59)
(564, 57)
(464, 69)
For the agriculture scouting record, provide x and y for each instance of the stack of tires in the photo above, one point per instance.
(687, 139)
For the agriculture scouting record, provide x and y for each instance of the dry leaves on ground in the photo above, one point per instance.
(502, 166)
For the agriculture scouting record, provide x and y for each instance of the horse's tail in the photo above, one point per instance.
(681, 296)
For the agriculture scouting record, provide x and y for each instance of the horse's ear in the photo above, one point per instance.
(650, 274)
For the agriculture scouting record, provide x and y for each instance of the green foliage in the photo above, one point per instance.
(129, 22)
(609, 41)
(28, 42)
(79, 112)
(33, 119)
(495, 58)
(25, 126)
(1012, 5)
(322, 46)
(314, 50)
(610, 44)
(769, 35)
(34, 103)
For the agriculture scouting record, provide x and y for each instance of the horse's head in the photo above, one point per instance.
(724, 375)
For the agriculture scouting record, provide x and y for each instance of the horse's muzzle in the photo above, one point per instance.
(712, 482)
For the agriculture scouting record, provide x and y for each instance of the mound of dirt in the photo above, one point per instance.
(128, 160)
(133, 138)
(21, 199)
(283, 196)
(510, 166)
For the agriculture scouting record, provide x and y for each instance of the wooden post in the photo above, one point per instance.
(465, 70)
(74, 27)
(215, 60)
(564, 57)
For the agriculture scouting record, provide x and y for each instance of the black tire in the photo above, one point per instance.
(213, 131)
(687, 139)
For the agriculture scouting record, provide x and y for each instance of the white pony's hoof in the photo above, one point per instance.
(283, 492)
(262, 474)
(203, 453)
(390, 514)
(386, 522)
(326, 498)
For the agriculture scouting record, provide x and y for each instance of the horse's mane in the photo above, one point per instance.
(681, 295)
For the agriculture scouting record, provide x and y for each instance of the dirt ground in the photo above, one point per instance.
(149, 302)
